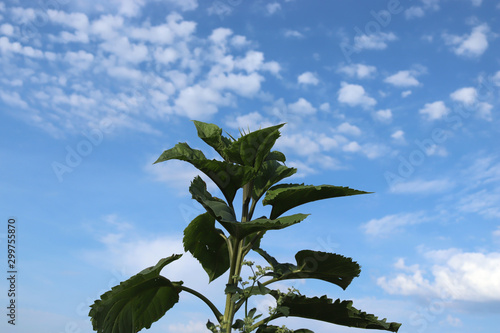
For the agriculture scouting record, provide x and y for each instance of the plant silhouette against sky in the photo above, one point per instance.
(250, 164)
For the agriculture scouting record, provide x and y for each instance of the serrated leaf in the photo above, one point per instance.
(207, 245)
(287, 196)
(215, 206)
(240, 230)
(338, 312)
(330, 267)
(270, 173)
(227, 176)
(251, 149)
(274, 329)
(212, 135)
(137, 302)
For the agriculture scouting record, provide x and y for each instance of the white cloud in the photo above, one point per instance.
(252, 61)
(360, 71)
(197, 102)
(220, 8)
(391, 223)
(6, 46)
(466, 95)
(253, 120)
(293, 34)
(13, 99)
(456, 276)
(435, 110)
(78, 21)
(398, 136)
(106, 26)
(355, 95)
(167, 33)
(191, 327)
(377, 41)
(383, 115)
(352, 147)
(496, 78)
(413, 12)
(81, 59)
(403, 79)
(273, 7)
(166, 55)
(325, 107)
(483, 202)
(301, 107)
(406, 93)
(244, 85)
(472, 45)
(476, 3)
(184, 5)
(422, 186)
(347, 128)
(6, 29)
(301, 144)
(125, 73)
(22, 15)
(123, 49)
(484, 111)
(308, 78)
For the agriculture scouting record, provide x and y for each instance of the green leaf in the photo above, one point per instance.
(215, 206)
(269, 174)
(330, 267)
(137, 302)
(212, 135)
(251, 149)
(325, 309)
(274, 329)
(287, 196)
(277, 156)
(227, 176)
(206, 244)
(240, 230)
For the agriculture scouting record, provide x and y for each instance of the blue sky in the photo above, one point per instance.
(399, 98)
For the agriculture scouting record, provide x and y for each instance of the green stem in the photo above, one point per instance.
(263, 321)
(214, 309)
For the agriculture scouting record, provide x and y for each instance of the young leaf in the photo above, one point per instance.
(330, 267)
(137, 302)
(240, 230)
(227, 176)
(269, 174)
(251, 149)
(215, 206)
(206, 244)
(276, 156)
(212, 135)
(340, 313)
(287, 196)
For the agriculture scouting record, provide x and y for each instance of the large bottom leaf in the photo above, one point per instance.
(137, 302)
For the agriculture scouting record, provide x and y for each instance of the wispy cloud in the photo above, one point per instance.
(394, 223)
